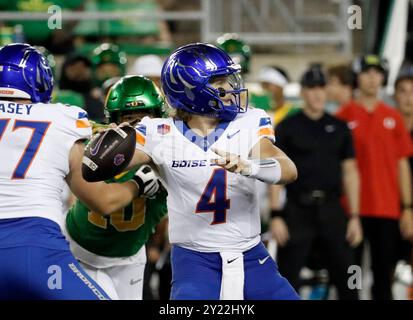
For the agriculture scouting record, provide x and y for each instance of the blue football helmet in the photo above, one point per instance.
(24, 73)
(187, 75)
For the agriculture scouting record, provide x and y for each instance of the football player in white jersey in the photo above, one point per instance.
(41, 149)
(210, 154)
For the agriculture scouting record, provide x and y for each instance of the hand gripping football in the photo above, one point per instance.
(108, 153)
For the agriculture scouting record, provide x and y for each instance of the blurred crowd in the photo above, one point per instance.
(351, 142)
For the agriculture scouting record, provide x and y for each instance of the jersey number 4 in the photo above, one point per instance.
(214, 198)
(39, 129)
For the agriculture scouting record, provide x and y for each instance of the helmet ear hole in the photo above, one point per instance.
(213, 103)
(221, 92)
(189, 94)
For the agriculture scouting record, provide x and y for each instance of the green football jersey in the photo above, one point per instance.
(122, 233)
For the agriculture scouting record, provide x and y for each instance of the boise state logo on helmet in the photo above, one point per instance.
(186, 77)
(24, 73)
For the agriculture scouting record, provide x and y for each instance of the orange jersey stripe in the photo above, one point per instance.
(140, 139)
(266, 132)
(82, 124)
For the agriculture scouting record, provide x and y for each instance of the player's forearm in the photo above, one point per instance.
(351, 184)
(113, 196)
(287, 167)
(100, 197)
(405, 182)
(266, 150)
(269, 170)
(138, 159)
(266, 163)
(289, 171)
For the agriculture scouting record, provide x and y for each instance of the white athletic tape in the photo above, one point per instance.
(86, 161)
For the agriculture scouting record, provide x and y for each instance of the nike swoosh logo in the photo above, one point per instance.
(132, 282)
(95, 150)
(262, 261)
(231, 261)
(229, 136)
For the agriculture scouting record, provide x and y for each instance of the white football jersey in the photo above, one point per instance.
(210, 209)
(35, 142)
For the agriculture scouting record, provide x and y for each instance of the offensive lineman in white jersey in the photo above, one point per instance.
(209, 155)
(41, 148)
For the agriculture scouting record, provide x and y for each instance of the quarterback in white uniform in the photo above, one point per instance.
(209, 155)
(210, 203)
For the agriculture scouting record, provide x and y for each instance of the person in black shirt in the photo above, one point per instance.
(321, 147)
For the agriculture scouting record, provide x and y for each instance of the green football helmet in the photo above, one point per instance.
(133, 93)
(238, 50)
(108, 53)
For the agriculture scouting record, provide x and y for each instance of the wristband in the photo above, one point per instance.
(266, 170)
(277, 213)
(406, 206)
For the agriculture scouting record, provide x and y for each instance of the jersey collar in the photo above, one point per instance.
(203, 142)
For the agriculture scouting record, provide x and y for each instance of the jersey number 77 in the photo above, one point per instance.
(39, 129)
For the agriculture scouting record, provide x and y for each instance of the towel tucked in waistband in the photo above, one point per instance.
(232, 283)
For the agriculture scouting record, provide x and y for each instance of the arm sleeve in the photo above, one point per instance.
(347, 147)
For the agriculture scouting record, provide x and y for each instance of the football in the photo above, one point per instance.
(108, 153)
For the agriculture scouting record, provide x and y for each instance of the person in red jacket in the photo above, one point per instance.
(383, 146)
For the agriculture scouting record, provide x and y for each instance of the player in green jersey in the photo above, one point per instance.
(112, 249)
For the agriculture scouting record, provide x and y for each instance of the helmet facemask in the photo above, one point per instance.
(230, 95)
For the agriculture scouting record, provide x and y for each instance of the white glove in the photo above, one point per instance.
(147, 181)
